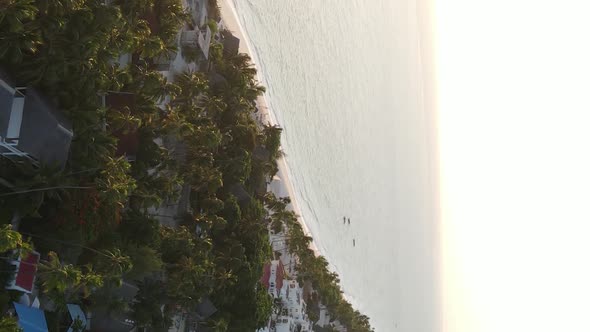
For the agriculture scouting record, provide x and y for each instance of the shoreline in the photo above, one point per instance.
(282, 186)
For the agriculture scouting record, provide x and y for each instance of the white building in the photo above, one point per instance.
(284, 324)
(293, 303)
(324, 319)
(278, 242)
(272, 278)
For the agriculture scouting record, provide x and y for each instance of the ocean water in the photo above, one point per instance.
(346, 80)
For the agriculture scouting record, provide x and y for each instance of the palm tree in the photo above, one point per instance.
(9, 324)
(34, 187)
(243, 63)
(63, 281)
(18, 33)
(57, 277)
(132, 9)
(114, 262)
(186, 280)
(115, 184)
(218, 324)
(11, 240)
(193, 86)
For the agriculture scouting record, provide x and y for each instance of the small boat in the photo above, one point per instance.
(344, 220)
(353, 242)
(349, 221)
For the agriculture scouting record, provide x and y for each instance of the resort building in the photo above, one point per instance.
(104, 319)
(197, 38)
(199, 11)
(33, 319)
(231, 43)
(284, 324)
(30, 128)
(272, 277)
(280, 248)
(30, 318)
(198, 34)
(293, 303)
(324, 319)
(25, 272)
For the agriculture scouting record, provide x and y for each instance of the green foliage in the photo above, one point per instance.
(65, 48)
(17, 32)
(62, 281)
(171, 16)
(145, 261)
(11, 240)
(231, 210)
(115, 184)
(191, 54)
(176, 243)
(6, 273)
(9, 324)
(272, 140)
(315, 269)
(30, 188)
(189, 269)
(212, 26)
(213, 9)
(113, 264)
(264, 306)
(147, 310)
(138, 228)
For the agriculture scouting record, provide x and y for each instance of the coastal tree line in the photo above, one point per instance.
(93, 221)
(314, 269)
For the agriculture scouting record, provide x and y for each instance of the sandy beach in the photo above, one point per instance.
(281, 185)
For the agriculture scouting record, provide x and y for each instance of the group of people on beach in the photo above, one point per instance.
(344, 219)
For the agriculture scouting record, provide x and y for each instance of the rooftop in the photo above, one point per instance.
(26, 268)
(231, 43)
(30, 319)
(30, 124)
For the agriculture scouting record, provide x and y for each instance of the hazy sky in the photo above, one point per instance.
(514, 142)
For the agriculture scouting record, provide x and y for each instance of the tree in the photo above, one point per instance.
(147, 310)
(139, 229)
(218, 324)
(18, 33)
(62, 281)
(33, 187)
(188, 281)
(145, 260)
(272, 140)
(115, 184)
(192, 86)
(176, 243)
(264, 306)
(113, 264)
(65, 49)
(11, 240)
(189, 268)
(9, 324)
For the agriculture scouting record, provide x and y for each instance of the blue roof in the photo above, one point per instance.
(77, 314)
(30, 319)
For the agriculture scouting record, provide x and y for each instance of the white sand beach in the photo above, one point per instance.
(281, 185)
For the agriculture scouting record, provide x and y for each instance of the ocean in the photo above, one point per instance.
(347, 80)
